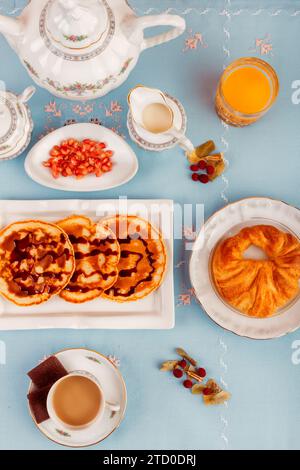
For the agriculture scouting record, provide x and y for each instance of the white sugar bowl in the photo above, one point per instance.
(15, 123)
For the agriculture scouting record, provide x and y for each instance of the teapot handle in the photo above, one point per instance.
(150, 21)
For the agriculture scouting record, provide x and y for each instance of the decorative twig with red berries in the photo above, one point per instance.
(194, 376)
(206, 166)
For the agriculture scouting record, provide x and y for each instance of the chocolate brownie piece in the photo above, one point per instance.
(47, 373)
(38, 403)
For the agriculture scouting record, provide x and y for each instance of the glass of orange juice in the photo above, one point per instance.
(246, 91)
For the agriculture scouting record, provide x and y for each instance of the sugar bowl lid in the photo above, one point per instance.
(15, 123)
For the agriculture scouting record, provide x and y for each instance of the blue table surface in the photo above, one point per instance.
(263, 161)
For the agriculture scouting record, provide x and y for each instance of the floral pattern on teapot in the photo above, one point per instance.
(76, 88)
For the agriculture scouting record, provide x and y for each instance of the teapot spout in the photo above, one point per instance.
(10, 26)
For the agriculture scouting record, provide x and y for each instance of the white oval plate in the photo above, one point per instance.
(114, 389)
(124, 159)
(225, 222)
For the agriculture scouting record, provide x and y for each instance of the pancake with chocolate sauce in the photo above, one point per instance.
(36, 262)
(97, 254)
(143, 258)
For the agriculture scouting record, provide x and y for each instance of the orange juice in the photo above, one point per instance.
(247, 89)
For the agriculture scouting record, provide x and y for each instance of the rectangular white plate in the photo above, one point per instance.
(153, 312)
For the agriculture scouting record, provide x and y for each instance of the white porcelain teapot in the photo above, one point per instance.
(82, 49)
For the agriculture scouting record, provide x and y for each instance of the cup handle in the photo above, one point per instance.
(113, 407)
(27, 94)
(151, 21)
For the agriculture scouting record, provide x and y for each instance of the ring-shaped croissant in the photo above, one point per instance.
(255, 287)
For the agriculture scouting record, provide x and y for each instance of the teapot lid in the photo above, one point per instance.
(76, 24)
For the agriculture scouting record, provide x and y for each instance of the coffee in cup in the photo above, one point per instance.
(76, 400)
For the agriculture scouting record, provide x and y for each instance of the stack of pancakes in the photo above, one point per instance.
(120, 258)
(36, 262)
(143, 258)
(97, 254)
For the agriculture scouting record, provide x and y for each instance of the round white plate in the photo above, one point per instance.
(224, 223)
(124, 159)
(114, 388)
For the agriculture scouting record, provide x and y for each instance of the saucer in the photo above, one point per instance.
(114, 389)
(155, 142)
(225, 223)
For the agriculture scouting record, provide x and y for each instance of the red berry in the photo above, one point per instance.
(210, 170)
(207, 391)
(177, 373)
(188, 384)
(201, 372)
(182, 364)
(203, 179)
(201, 165)
(195, 177)
(194, 168)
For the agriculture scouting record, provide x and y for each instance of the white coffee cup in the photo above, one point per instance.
(103, 402)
